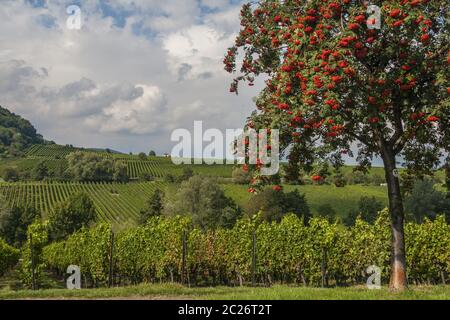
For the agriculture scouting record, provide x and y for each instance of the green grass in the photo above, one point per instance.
(173, 291)
(341, 199)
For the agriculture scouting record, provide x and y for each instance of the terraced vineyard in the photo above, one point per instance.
(116, 203)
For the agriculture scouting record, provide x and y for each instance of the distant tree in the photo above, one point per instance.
(170, 178)
(92, 167)
(11, 174)
(327, 211)
(368, 208)
(14, 222)
(71, 215)
(378, 180)
(339, 180)
(155, 206)
(146, 176)
(152, 153)
(142, 156)
(89, 167)
(357, 177)
(426, 202)
(204, 200)
(40, 171)
(186, 175)
(296, 203)
(241, 175)
(120, 172)
(274, 204)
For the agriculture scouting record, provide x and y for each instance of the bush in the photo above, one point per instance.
(11, 174)
(339, 180)
(9, 257)
(14, 223)
(155, 206)
(368, 209)
(205, 202)
(40, 172)
(357, 177)
(169, 178)
(240, 176)
(146, 176)
(327, 211)
(70, 216)
(274, 205)
(426, 202)
(186, 175)
(39, 232)
(142, 156)
(92, 167)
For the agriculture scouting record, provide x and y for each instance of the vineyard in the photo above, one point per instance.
(116, 203)
(318, 254)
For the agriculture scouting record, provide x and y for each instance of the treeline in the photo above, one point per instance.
(319, 253)
(79, 166)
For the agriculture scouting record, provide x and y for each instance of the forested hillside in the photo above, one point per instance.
(16, 134)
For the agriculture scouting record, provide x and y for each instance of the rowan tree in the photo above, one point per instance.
(335, 83)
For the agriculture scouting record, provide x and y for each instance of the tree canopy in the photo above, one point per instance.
(337, 80)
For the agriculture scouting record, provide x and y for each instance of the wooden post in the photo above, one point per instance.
(183, 262)
(33, 277)
(254, 260)
(111, 268)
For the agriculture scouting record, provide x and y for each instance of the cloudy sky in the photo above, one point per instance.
(137, 69)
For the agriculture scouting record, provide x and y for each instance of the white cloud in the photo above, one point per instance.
(107, 86)
(196, 52)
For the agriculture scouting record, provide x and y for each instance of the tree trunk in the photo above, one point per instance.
(398, 281)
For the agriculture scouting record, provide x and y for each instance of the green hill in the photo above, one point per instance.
(16, 134)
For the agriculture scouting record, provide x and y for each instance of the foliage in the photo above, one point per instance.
(142, 156)
(335, 80)
(273, 204)
(425, 201)
(16, 134)
(32, 255)
(14, 223)
(203, 199)
(84, 166)
(9, 257)
(155, 206)
(368, 208)
(289, 251)
(241, 176)
(11, 174)
(87, 248)
(40, 172)
(72, 215)
(326, 211)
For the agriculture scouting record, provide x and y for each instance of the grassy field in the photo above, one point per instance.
(158, 292)
(341, 199)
